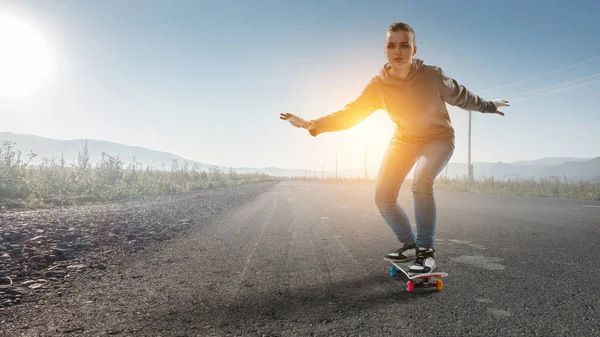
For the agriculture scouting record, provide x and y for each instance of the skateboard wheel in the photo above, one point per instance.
(410, 286)
(439, 285)
(393, 271)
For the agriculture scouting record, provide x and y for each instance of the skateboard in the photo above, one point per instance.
(424, 280)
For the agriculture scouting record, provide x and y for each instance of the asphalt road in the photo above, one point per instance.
(306, 259)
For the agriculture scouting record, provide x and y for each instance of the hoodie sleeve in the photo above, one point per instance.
(353, 113)
(456, 94)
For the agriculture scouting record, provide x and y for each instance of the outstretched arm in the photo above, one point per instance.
(456, 94)
(353, 113)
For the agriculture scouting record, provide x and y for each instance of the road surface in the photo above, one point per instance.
(306, 259)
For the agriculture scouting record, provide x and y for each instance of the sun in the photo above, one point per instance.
(25, 60)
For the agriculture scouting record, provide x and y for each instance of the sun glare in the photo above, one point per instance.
(24, 57)
(374, 133)
(375, 129)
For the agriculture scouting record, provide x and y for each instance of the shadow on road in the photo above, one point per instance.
(353, 301)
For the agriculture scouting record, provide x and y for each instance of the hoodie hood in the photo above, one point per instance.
(417, 64)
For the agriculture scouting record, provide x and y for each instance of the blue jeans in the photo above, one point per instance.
(432, 156)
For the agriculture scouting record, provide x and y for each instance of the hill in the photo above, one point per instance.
(574, 169)
(70, 149)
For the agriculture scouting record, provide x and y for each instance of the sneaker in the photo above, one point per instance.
(424, 262)
(402, 254)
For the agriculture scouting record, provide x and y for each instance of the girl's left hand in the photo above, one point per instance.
(498, 103)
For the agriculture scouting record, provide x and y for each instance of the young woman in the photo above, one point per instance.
(414, 95)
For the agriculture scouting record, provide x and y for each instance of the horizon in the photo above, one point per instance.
(370, 169)
(169, 80)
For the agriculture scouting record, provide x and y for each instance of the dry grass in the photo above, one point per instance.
(554, 187)
(53, 181)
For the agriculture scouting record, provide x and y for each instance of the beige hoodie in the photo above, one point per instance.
(417, 104)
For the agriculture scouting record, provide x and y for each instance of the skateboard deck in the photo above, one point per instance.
(420, 280)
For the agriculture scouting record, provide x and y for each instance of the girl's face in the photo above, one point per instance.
(399, 49)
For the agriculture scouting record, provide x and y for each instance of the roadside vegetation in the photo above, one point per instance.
(52, 181)
(553, 187)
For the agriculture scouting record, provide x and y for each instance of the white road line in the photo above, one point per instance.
(594, 206)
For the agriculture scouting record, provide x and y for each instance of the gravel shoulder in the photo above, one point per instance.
(58, 260)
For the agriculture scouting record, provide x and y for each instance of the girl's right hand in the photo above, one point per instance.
(296, 121)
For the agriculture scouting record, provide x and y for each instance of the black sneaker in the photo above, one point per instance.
(402, 254)
(424, 262)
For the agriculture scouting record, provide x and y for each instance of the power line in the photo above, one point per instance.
(551, 92)
(521, 99)
(557, 85)
(544, 74)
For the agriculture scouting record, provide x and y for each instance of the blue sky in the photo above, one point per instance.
(207, 79)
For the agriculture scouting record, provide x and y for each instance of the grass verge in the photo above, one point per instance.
(52, 181)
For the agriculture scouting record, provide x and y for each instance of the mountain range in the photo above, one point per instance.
(573, 169)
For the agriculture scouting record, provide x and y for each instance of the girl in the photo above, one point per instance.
(414, 95)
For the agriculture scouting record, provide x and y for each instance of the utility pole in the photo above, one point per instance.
(336, 166)
(470, 166)
(365, 160)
